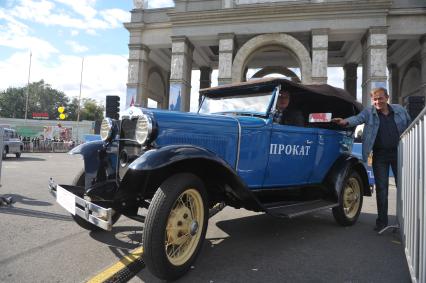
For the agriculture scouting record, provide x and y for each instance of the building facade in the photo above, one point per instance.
(386, 38)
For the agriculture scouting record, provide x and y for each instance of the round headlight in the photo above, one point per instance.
(143, 129)
(106, 129)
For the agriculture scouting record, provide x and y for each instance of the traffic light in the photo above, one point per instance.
(112, 107)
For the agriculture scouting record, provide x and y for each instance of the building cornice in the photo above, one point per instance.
(407, 12)
(280, 12)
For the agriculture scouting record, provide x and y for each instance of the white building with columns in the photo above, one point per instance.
(386, 38)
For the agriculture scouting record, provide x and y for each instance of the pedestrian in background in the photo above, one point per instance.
(384, 124)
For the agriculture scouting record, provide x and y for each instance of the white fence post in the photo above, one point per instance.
(1, 148)
(411, 197)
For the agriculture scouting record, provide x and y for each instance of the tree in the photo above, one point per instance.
(12, 103)
(41, 98)
(90, 110)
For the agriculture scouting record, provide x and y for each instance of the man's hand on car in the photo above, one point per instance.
(339, 121)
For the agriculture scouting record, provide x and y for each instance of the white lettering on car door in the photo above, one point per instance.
(289, 149)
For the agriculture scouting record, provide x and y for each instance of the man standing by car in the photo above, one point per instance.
(384, 123)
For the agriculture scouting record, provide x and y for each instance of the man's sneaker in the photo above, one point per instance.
(379, 227)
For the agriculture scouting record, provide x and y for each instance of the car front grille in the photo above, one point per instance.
(129, 148)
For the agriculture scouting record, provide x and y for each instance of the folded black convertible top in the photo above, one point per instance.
(296, 89)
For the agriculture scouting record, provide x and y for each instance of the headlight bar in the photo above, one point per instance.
(143, 129)
(106, 129)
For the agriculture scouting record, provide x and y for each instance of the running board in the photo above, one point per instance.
(299, 208)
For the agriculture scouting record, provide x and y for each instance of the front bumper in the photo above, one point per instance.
(92, 213)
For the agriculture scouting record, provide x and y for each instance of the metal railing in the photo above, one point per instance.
(47, 146)
(411, 197)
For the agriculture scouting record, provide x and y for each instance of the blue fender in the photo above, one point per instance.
(146, 173)
(157, 158)
(90, 153)
(339, 171)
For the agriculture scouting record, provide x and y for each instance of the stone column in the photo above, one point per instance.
(137, 92)
(374, 61)
(226, 56)
(350, 70)
(180, 77)
(226, 4)
(394, 83)
(319, 56)
(423, 63)
(205, 79)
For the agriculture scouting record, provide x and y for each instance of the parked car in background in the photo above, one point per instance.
(183, 166)
(11, 143)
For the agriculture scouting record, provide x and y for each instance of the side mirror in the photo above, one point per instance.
(319, 117)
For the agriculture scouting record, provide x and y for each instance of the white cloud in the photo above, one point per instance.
(75, 32)
(84, 8)
(85, 16)
(102, 74)
(335, 77)
(16, 35)
(115, 17)
(76, 47)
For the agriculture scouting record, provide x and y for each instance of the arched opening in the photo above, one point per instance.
(270, 70)
(411, 81)
(272, 50)
(157, 95)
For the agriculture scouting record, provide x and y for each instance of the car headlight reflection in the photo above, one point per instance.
(106, 129)
(143, 129)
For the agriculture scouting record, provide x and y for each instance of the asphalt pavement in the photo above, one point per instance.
(40, 242)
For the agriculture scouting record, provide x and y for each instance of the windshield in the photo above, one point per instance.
(253, 104)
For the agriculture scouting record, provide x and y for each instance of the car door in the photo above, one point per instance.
(291, 156)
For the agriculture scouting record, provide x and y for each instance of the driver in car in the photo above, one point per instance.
(284, 115)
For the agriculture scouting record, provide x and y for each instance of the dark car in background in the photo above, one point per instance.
(11, 143)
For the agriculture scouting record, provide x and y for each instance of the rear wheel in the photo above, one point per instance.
(79, 181)
(175, 226)
(18, 154)
(350, 200)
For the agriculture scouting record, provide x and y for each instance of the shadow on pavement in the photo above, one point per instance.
(33, 213)
(24, 158)
(27, 200)
(121, 240)
(311, 248)
(122, 237)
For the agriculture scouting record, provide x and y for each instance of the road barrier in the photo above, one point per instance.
(47, 146)
(411, 197)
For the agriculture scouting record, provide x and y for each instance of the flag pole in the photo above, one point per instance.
(79, 98)
(28, 88)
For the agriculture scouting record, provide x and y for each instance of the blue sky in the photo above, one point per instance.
(59, 33)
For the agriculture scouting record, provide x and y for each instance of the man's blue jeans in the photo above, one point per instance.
(381, 162)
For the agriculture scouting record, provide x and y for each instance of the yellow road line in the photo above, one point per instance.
(117, 267)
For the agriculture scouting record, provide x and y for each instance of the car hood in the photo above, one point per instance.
(216, 133)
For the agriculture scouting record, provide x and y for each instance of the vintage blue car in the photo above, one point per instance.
(184, 166)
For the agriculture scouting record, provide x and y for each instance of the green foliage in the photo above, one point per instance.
(43, 98)
(89, 110)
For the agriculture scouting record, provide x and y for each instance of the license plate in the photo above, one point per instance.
(66, 199)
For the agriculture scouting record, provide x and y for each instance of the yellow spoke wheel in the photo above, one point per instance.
(350, 200)
(351, 197)
(175, 226)
(183, 227)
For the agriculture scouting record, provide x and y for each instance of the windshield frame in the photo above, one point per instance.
(267, 113)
